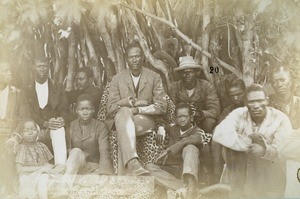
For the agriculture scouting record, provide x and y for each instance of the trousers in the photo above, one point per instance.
(171, 176)
(129, 126)
(58, 139)
(255, 177)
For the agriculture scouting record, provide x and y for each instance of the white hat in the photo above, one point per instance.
(187, 62)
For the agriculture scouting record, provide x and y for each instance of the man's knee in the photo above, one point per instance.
(44, 177)
(143, 124)
(76, 151)
(124, 112)
(191, 149)
(76, 154)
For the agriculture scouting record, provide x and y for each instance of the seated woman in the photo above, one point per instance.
(89, 151)
(32, 162)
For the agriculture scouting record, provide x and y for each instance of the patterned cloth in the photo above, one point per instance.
(35, 155)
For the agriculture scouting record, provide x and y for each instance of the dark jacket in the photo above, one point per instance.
(177, 142)
(150, 88)
(204, 98)
(57, 104)
(226, 111)
(93, 142)
(293, 114)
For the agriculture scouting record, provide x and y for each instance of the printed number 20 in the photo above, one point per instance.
(213, 69)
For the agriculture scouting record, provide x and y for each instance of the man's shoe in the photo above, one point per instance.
(135, 168)
(192, 192)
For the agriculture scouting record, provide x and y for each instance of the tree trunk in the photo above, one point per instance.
(186, 39)
(83, 50)
(57, 63)
(157, 28)
(249, 58)
(205, 40)
(146, 29)
(71, 61)
(109, 67)
(112, 23)
(234, 50)
(107, 40)
(239, 44)
(93, 61)
(215, 38)
(79, 57)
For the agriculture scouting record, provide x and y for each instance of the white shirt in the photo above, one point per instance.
(42, 92)
(135, 80)
(190, 92)
(183, 132)
(3, 102)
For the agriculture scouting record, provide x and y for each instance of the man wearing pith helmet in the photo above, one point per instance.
(199, 93)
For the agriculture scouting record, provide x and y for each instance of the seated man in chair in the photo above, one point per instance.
(136, 96)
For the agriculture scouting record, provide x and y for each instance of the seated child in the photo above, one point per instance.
(181, 158)
(32, 162)
(89, 151)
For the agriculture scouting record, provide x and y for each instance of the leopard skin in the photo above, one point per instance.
(147, 148)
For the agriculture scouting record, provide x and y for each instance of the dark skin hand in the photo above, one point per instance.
(258, 138)
(54, 123)
(258, 147)
(198, 114)
(256, 151)
(141, 103)
(134, 111)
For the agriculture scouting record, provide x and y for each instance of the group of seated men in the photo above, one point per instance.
(253, 137)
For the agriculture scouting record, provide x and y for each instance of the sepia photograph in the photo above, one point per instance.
(149, 99)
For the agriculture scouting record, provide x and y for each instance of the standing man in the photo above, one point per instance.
(252, 135)
(84, 85)
(9, 100)
(136, 95)
(46, 103)
(199, 93)
(284, 100)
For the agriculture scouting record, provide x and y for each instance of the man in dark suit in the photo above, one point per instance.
(135, 96)
(46, 103)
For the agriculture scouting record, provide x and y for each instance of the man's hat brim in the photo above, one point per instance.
(199, 67)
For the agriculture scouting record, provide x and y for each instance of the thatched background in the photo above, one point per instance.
(248, 35)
